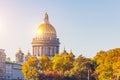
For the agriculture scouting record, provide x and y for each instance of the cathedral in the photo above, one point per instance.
(45, 42)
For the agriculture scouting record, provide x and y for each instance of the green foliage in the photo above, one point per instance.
(62, 62)
(81, 67)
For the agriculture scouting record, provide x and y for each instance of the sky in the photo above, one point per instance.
(83, 26)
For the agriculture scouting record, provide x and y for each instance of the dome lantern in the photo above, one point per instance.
(46, 18)
(45, 29)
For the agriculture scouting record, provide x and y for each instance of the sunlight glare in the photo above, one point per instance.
(38, 33)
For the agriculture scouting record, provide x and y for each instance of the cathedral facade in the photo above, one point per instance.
(45, 41)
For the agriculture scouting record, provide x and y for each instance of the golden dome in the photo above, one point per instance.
(46, 27)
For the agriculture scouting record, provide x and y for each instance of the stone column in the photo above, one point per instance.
(43, 50)
(47, 50)
(55, 50)
(50, 51)
(38, 51)
(33, 50)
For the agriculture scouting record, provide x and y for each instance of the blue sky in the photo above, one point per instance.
(85, 26)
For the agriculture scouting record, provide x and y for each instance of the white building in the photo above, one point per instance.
(13, 71)
(9, 70)
(2, 64)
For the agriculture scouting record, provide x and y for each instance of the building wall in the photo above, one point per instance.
(13, 71)
(2, 64)
(45, 47)
(8, 71)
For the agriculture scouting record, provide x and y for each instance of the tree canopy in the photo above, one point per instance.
(108, 64)
(105, 65)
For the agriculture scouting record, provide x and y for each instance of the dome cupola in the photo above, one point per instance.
(45, 29)
(45, 41)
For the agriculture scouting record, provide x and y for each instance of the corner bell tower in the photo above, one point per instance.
(45, 41)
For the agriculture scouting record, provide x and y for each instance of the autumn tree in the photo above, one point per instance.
(108, 64)
(45, 63)
(30, 68)
(81, 67)
(62, 62)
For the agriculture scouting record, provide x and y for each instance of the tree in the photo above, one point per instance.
(81, 67)
(45, 63)
(108, 64)
(62, 62)
(57, 63)
(30, 70)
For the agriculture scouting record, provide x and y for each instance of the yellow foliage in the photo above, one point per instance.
(62, 62)
(45, 63)
(108, 64)
(29, 68)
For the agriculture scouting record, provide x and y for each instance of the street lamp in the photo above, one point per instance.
(117, 75)
(38, 67)
(88, 74)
